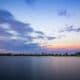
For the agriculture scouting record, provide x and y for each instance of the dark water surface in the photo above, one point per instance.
(39, 68)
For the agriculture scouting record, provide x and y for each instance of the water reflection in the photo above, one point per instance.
(39, 68)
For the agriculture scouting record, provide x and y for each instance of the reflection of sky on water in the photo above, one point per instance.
(40, 68)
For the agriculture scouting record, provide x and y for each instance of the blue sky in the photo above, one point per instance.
(39, 25)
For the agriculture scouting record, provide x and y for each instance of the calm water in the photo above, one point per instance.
(39, 68)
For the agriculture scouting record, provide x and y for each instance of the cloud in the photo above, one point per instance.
(39, 32)
(20, 27)
(71, 28)
(16, 35)
(43, 36)
(30, 2)
(5, 16)
(51, 38)
(19, 46)
(63, 13)
(3, 32)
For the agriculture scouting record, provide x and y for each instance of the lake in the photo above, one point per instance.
(39, 68)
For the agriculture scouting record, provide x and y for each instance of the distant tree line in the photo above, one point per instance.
(40, 54)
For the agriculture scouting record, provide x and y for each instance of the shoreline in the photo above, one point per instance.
(77, 54)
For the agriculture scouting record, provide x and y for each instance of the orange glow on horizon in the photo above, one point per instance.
(61, 45)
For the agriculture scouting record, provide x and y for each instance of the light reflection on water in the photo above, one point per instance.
(39, 68)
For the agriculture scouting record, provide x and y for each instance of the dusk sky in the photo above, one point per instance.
(39, 25)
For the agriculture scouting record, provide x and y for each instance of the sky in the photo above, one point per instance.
(34, 26)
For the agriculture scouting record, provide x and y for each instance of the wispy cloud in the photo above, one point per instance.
(51, 38)
(30, 2)
(71, 28)
(63, 12)
(39, 32)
